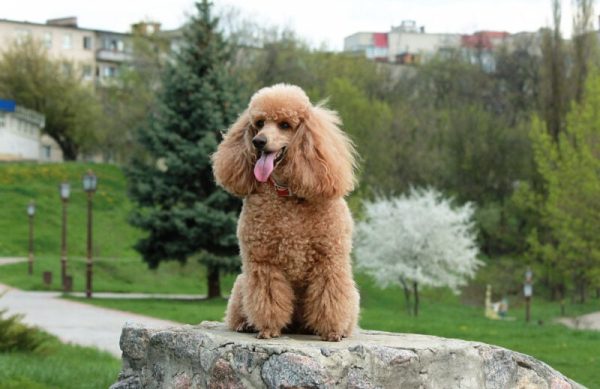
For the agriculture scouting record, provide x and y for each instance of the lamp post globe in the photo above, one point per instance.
(31, 209)
(65, 190)
(90, 181)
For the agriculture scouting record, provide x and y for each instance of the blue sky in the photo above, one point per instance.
(319, 21)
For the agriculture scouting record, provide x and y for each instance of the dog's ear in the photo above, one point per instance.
(320, 160)
(234, 159)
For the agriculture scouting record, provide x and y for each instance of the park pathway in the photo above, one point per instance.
(11, 260)
(71, 321)
(591, 321)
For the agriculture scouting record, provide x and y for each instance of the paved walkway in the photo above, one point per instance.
(11, 260)
(591, 321)
(71, 321)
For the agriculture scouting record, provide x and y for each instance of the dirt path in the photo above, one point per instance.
(73, 322)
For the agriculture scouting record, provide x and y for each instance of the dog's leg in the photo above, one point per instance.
(269, 303)
(331, 303)
(235, 318)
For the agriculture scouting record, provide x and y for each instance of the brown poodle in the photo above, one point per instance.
(293, 166)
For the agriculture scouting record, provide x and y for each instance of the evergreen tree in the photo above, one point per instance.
(183, 212)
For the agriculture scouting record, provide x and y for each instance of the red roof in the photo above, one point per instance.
(483, 39)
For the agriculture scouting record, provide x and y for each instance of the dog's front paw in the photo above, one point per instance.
(332, 337)
(244, 327)
(268, 333)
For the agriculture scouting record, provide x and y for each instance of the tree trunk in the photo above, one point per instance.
(214, 284)
(416, 292)
(68, 147)
(406, 296)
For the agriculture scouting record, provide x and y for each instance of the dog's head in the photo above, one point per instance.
(281, 133)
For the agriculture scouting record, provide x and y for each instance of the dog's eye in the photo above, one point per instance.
(284, 125)
(259, 124)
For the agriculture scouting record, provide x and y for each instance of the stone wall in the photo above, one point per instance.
(210, 356)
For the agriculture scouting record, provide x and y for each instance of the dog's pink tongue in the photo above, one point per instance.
(264, 166)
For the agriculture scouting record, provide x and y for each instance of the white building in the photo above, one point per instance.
(20, 135)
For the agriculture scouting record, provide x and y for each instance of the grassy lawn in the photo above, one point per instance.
(183, 311)
(574, 353)
(58, 366)
(22, 182)
(115, 275)
(117, 267)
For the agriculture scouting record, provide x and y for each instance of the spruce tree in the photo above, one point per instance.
(183, 212)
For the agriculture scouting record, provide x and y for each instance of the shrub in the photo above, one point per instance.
(16, 336)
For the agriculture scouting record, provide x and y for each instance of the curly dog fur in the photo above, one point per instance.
(296, 268)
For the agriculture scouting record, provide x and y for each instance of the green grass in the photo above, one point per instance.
(183, 311)
(115, 275)
(58, 366)
(22, 182)
(572, 352)
(117, 267)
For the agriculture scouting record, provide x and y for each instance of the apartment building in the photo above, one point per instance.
(409, 43)
(96, 53)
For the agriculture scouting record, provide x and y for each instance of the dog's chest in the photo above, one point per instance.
(285, 232)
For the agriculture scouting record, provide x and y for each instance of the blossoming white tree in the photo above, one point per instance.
(417, 239)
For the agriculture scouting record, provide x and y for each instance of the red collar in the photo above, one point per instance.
(282, 191)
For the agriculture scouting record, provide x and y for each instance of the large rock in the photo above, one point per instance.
(210, 356)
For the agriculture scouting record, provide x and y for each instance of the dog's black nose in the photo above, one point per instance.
(259, 141)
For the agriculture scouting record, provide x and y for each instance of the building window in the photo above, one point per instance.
(113, 44)
(67, 41)
(22, 36)
(87, 42)
(110, 71)
(46, 152)
(47, 40)
(87, 72)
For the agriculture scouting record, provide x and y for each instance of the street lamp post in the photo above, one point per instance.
(65, 190)
(527, 292)
(89, 185)
(31, 213)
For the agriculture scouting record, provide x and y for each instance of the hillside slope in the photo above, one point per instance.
(22, 182)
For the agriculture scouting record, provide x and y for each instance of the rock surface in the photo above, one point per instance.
(210, 356)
